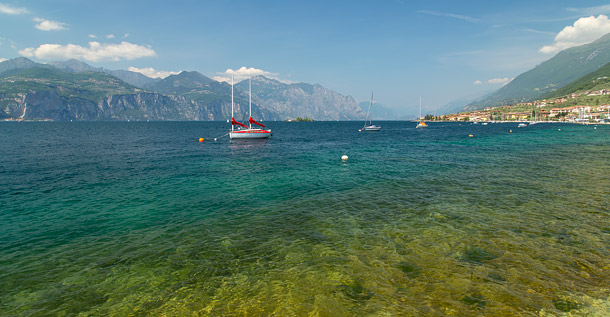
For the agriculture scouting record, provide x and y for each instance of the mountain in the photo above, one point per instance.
(565, 67)
(51, 93)
(213, 96)
(301, 100)
(73, 90)
(597, 80)
(183, 83)
(380, 112)
(19, 63)
(132, 78)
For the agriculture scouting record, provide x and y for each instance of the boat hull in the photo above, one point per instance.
(250, 134)
(372, 128)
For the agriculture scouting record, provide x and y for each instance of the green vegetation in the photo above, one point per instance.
(306, 119)
(92, 86)
(597, 80)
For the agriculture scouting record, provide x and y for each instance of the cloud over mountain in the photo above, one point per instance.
(245, 73)
(494, 81)
(94, 53)
(584, 31)
(152, 73)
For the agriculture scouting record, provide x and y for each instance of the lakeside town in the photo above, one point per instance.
(590, 110)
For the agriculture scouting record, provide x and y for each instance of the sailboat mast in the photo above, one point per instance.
(371, 110)
(231, 102)
(420, 108)
(249, 123)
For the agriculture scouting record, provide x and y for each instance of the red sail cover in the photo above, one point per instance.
(254, 121)
(238, 123)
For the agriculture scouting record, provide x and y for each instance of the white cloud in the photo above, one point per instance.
(502, 81)
(3, 59)
(48, 25)
(110, 36)
(494, 81)
(6, 9)
(245, 73)
(126, 35)
(152, 73)
(584, 30)
(94, 53)
(92, 36)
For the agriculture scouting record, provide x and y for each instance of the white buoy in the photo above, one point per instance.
(344, 158)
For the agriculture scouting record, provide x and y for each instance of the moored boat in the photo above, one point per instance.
(246, 131)
(369, 119)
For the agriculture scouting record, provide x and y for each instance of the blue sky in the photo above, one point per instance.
(401, 50)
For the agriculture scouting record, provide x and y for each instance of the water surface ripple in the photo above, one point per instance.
(117, 218)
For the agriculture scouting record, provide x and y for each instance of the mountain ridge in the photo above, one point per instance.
(552, 74)
(76, 87)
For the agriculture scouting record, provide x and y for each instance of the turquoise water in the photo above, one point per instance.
(108, 218)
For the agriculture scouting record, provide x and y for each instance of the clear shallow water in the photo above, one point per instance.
(140, 218)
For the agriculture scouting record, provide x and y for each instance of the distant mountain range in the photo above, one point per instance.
(380, 111)
(565, 67)
(73, 90)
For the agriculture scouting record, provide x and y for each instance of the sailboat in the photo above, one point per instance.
(421, 123)
(246, 131)
(369, 119)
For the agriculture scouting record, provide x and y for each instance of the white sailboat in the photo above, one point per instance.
(421, 123)
(246, 131)
(369, 119)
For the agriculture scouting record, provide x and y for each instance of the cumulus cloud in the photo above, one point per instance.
(494, 81)
(585, 30)
(48, 25)
(92, 36)
(152, 73)
(245, 73)
(110, 36)
(94, 53)
(7, 9)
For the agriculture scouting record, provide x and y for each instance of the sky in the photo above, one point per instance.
(401, 50)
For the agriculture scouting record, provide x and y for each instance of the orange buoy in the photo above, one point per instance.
(470, 135)
(201, 139)
(510, 131)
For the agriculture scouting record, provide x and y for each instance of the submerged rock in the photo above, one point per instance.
(565, 305)
(477, 255)
(474, 300)
(356, 291)
(412, 270)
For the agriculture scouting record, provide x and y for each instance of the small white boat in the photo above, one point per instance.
(522, 125)
(369, 119)
(484, 123)
(246, 131)
(421, 123)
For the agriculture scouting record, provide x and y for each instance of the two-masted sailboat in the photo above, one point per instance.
(246, 131)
